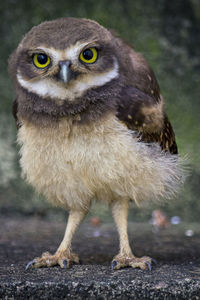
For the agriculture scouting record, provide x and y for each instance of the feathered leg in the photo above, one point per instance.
(125, 257)
(63, 256)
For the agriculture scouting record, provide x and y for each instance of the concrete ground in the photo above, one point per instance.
(176, 275)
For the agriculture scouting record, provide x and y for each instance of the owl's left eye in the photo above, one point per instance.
(41, 60)
(89, 55)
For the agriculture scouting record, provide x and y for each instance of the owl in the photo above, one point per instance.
(91, 125)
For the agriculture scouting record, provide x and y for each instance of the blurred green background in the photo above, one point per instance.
(166, 32)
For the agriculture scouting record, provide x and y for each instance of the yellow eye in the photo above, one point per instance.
(41, 60)
(89, 55)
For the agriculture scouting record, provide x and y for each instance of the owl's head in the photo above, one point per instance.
(64, 58)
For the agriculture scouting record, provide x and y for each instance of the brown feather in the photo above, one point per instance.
(14, 112)
(144, 114)
(166, 138)
(141, 106)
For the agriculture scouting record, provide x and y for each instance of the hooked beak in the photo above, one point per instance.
(65, 72)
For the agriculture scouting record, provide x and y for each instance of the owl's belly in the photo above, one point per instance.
(72, 164)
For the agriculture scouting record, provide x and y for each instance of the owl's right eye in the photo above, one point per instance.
(41, 60)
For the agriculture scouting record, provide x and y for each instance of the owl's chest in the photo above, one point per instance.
(71, 163)
(65, 149)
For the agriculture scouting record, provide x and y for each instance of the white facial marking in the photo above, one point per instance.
(72, 53)
(47, 87)
(55, 55)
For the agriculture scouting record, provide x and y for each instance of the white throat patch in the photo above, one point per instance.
(47, 87)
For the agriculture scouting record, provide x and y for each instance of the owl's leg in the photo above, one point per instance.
(63, 256)
(125, 257)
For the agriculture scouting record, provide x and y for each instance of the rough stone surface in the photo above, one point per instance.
(176, 276)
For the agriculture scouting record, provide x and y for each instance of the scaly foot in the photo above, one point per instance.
(122, 261)
(63, 259)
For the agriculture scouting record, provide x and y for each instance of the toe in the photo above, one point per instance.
(46, 254)
(121, 261)
(39, 262)
(48, 260)
(43, 261)
(144, 263)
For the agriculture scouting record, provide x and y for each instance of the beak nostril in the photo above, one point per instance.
(65, 72)
(66, 63)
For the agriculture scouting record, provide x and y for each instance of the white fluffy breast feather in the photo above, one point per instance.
(71, 165)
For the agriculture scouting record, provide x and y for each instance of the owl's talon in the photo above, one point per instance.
(64, 263)
(148, 265)
(30, 264)
(113, 264)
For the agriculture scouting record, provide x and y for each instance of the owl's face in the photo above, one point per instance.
(63, 59)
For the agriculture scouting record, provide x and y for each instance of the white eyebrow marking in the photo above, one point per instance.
(56, 55)
(71, 53)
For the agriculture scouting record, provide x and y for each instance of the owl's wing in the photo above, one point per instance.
(145, 114)
(14, 112)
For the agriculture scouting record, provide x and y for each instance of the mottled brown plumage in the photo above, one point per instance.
(92, 125)
(153, 126)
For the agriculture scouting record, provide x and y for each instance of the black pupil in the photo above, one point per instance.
(42, 59)
(87, 54)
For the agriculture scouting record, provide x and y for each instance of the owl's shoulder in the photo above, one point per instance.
(146, 115)
(141, 106)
